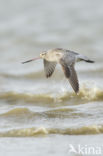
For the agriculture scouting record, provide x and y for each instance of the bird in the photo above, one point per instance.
(67, 59)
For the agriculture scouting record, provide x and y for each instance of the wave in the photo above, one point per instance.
(27, 97)
(37, 131)
(24, 113)
(30, 75)
(17, 112)
(86, 94)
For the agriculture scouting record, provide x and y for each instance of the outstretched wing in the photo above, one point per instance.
(49, 67)
(70, 73)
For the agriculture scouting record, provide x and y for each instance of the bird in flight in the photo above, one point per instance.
(67, 59)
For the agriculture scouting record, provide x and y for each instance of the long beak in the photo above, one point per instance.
(31, 60)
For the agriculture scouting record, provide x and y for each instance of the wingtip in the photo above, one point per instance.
(77, 91)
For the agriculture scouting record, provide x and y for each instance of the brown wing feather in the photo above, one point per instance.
(74, 79)
(49, 67)
(70, 73)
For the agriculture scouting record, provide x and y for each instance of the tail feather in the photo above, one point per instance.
(86, 59)
(89, 61)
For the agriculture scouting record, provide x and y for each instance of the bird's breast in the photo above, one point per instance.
(53, 57)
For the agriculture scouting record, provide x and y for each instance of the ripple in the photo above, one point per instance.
(37, 131)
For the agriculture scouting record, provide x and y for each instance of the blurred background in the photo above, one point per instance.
(27, 98)
(29, 27)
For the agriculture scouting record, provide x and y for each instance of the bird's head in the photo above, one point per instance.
(43, 55)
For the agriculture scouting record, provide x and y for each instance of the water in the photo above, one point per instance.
(39, 115)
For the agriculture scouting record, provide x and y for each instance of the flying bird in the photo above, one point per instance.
(67, 59)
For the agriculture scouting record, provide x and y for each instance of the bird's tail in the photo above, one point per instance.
(86, 59)
(89, 61)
